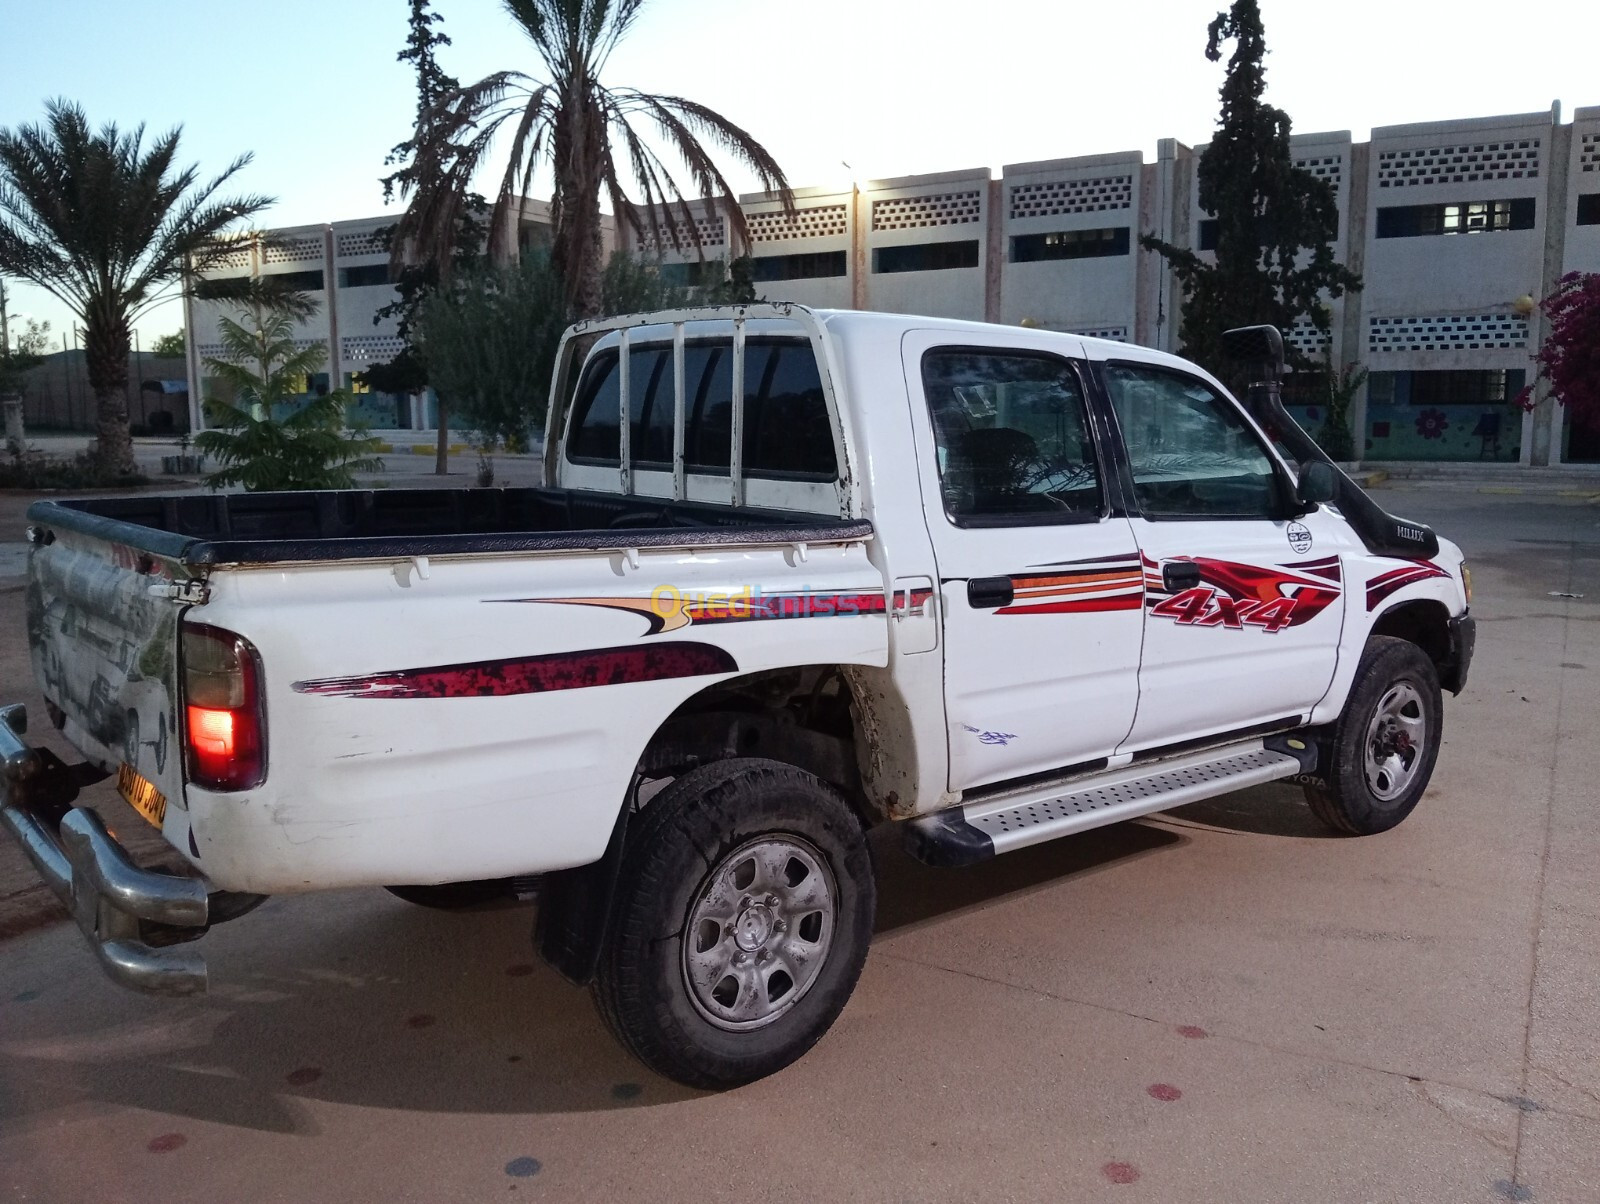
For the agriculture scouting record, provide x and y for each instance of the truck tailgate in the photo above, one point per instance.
(103, 630)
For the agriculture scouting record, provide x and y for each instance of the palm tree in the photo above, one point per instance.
(108, 227)
(585, 132)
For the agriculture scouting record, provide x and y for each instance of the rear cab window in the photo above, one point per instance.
(788, 433)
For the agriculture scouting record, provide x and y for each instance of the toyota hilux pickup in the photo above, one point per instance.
(791, 574)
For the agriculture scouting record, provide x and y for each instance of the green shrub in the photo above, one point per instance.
(35, 471)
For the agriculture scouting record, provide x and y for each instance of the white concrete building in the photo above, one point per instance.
(346, 265)
(1456, 227)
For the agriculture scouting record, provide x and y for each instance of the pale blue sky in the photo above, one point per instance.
(892, 87)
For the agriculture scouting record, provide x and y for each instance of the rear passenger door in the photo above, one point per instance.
(1041, 590)
(1245, 600)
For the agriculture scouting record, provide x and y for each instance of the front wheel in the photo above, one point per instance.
(741, 924)
(1384, 744)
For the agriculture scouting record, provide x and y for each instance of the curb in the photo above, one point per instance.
(419, 449)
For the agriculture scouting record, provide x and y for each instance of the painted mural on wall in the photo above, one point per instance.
(1444, 415)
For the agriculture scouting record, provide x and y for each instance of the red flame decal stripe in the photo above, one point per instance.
(1384, 584)
(532, 674)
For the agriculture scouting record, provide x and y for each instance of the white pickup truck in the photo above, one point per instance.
(793, 574)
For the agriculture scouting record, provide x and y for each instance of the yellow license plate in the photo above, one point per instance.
(141, 794)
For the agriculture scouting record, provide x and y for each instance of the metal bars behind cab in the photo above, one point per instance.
(680, 406)
(624, 427)
(736, 424)
(679, 476)
(566, 361)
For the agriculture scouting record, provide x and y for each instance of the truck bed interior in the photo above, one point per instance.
(272, 528)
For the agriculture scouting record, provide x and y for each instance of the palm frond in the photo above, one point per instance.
(585, 134)
(101, 220)
(454, 138)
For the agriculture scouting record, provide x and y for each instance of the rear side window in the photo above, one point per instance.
(1012, 438)
(650, 405)
(596, 435)
(786, 428)
(787, 433)
(1192, 453)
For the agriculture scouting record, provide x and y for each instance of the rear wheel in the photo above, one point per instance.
(741, 924)
(1384, 744)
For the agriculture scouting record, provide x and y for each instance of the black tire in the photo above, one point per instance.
(457, 896)
(1351, 803)
(693, 832)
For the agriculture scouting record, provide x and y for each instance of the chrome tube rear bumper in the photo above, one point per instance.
(107, 894)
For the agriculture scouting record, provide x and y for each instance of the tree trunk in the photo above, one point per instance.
(577, 247)
(441, 457)
(592, 268)
(106, 344)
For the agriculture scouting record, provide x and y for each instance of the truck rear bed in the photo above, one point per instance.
(200, 530)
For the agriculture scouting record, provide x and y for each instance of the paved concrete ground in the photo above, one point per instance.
(1220, 1003)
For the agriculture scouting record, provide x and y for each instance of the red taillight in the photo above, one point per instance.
(226, 727)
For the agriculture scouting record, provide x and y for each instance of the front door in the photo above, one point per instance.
(1041, 589)
(1245, 604)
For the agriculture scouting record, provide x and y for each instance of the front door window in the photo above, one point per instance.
(1011, 437)
(1192, 452)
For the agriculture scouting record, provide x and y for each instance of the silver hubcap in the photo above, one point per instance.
(1396, 738)
(759, 932)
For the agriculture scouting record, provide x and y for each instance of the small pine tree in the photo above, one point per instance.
(1276, 223)
(262, 369)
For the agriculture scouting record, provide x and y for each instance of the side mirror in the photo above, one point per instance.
(1317, 484)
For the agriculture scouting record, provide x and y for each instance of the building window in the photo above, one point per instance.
(1589, 209)
(1070, 244)
(926, 257)
(1467, 217)
(814, 266)
(305, 282)
(364, 275)
(1210, 229)
(313, 384)
(692, 275)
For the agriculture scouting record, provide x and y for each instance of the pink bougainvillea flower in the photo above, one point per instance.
(1570, 357)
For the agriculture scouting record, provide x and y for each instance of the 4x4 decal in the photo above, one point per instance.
(1234, 595)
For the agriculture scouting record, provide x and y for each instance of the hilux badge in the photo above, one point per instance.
(1299, 538)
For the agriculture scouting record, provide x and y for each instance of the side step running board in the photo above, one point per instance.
(977, 831)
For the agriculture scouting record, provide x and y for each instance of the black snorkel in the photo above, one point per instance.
(1260, 349)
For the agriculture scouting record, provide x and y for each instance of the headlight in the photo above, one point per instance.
(1466, 581)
